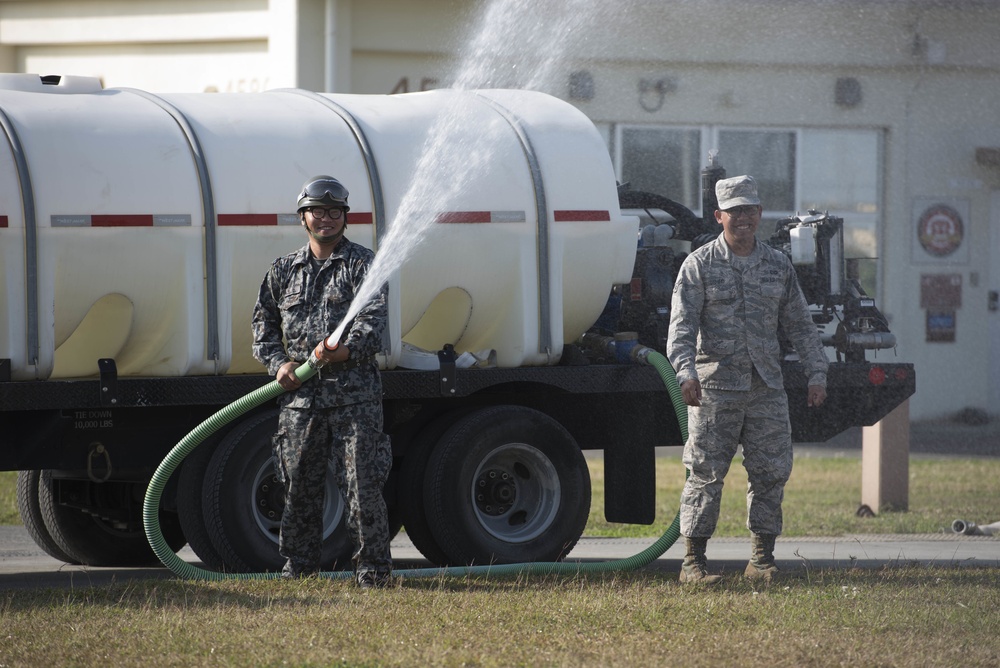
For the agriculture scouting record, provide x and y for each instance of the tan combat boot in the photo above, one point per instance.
(694, 569)
(762, 566)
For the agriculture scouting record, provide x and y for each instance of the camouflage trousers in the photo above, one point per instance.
(350, 439)
(757, 419)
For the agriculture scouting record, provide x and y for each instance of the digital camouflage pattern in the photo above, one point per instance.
(336, 413)
(736, 191)
(724, 324)
(758, 419)
(301, 301)
(351, 437)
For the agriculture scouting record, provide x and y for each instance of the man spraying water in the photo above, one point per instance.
(338, 412)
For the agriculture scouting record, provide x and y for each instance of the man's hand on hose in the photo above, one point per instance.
(338, 354)
(286, 376)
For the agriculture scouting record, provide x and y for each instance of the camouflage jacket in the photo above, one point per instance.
(724, 322)
(300, 304)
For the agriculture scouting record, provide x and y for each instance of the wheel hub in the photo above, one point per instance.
(516, 492)
(269, 497)
(269, 501)
(495, 492)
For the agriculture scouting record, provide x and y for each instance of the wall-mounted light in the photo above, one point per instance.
(581, 85)
(653, 92)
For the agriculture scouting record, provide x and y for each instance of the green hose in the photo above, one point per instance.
(187, 571)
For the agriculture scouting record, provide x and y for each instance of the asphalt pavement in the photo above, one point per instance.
(23, 565)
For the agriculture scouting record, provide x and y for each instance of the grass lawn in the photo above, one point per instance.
(903, 615)
(823, 496)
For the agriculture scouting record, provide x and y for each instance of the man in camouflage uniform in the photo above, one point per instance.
(730, 297)
(338, 412)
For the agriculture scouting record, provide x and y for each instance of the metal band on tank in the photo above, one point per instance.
(542, 214)
(30, 236)
(374, 180)
(208, 208)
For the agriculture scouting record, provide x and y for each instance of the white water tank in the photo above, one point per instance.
(138, 227)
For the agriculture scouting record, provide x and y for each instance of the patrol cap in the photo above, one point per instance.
(737, 191)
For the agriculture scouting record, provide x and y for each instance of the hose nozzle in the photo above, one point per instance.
(317, 362)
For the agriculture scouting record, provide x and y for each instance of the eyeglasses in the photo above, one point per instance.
(333, 213)
(748, 210)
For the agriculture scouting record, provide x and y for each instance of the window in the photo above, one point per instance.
(769, 157)
(796, 170)
(662, 160)
(840, 174)
(835, 170)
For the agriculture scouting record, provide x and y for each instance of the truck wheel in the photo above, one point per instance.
(507, 484)
(244, 502)
(93, 523)
(31, 515)
(192, 493)
(412, 482)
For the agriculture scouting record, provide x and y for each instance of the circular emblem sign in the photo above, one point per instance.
(940, 230)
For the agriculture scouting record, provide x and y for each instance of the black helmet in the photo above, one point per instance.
(323, 191)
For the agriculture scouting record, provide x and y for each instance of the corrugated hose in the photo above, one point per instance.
(188, 571)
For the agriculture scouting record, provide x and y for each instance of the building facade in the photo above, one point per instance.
(883, 112)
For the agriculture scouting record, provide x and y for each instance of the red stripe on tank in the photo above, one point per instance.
(464, 217)
(122, 220)
(248, 219)
(569, 216)
(359, 218)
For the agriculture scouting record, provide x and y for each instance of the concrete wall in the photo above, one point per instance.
(927, 70)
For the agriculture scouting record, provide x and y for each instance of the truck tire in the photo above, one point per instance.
(244, 502)
(192, 491)
(95, 539)
(31, 515)
(413, 482)
(507, 484)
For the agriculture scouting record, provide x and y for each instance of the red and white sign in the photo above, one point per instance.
(940, 230)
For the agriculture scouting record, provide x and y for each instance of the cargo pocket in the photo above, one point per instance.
(715, 348)
(720, 293)
(720, 306)
(770, 296)
(279, 445)
(335, 294)
(383, 457)
(290, 301)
